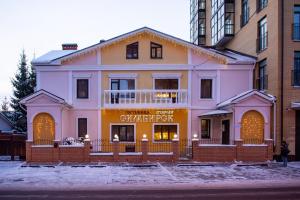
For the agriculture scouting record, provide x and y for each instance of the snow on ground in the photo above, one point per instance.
(18, 175)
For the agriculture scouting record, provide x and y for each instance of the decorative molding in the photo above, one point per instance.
(123, 75)
(166, 75)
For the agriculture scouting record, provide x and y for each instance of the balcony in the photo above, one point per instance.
(141, 98)
(295, 77)
(296, 31)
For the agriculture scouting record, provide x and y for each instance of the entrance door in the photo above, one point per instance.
(297, 144)
(225, 131)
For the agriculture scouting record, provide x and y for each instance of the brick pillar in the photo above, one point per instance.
(55, 151)
(116, 149)
(270, 150)
(175, 149)
(28, 151)
(239, 149)
(144, 150)
(86, 150)
(195, 146)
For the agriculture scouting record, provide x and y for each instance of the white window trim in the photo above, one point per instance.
(135, 86)
(87, 126)
(162, 78)
(213, 78)
(122, 124)
(211, 130)
(167, 75)
(177, 132)
(89, 89)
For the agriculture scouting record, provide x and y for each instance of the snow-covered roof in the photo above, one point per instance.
(244, 95)
(215, 112)
(51, 55)
(3, 115)
(225, 55)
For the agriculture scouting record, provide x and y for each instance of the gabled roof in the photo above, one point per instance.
(244, 95)
(56, 60)
(215, 113)
(41, 92)
(52, 55)
(5, 118)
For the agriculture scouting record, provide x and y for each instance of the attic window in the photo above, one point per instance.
(132, 51)
(156, 50)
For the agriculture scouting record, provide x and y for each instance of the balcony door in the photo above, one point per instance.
(168, 89)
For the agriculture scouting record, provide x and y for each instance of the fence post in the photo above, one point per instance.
(116, 149)
(239, 149)
(86, 150)
(175, 149)
(144, 150)
(55, 151)
(195, 146)
(28, 151)
(270, 152)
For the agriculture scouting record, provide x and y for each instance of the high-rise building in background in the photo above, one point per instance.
(270, 31)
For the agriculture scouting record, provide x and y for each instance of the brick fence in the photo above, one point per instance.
(201, 152)
(236, 152)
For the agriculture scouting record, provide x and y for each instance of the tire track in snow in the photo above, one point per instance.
(167, 172)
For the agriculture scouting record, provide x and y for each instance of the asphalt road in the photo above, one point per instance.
(284, 193)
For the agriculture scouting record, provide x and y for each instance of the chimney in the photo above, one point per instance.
(69, 46)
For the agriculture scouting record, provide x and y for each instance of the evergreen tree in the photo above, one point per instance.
(23, 83)
(4, 105)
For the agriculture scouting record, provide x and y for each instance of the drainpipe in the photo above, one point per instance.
(274, 124)
(282, 71)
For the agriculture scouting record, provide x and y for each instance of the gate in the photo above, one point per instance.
(185, 149)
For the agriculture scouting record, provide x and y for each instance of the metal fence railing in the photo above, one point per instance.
(160, 147)
(127, 147)
(43, 142)
(101, 145)
(210, 141)
(253, 141)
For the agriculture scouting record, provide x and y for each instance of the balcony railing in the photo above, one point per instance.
(296, 31)
(296, 77)
(116, 98)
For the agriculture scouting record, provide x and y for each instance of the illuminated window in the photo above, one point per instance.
(164, 132)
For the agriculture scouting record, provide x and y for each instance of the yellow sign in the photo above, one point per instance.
(163, 116)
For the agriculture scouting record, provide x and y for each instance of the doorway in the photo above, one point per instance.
(297, 138)
(225, 131)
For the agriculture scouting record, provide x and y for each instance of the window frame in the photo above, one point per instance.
(162, 124)
(122, 124)
(88, 88)
(210, 128)
(77, 126)
(296, 69)
(261, 4)
(121, 78)
(260, 68)
(135, 44)
(245, 16)
(213, 78)
(260, 25)
(155, 48)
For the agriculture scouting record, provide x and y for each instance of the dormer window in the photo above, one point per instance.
(132, 51)
(156, 50)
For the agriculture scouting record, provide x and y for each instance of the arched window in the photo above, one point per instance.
(43, 129)
(252, 127)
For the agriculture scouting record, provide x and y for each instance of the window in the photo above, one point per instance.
(82, 127)
(296, 24)
(263, 77)
(262, 41)
(132, 51)
(166, 84)
(296, 71)
(156, 50)
(206, 88)
(123, 84)
(245, 13)
(222, 20)
(164, 132)
(205, 128)
(82, 88)
(124, 132)
(261, 4)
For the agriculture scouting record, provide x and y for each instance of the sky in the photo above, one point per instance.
(38, 26)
